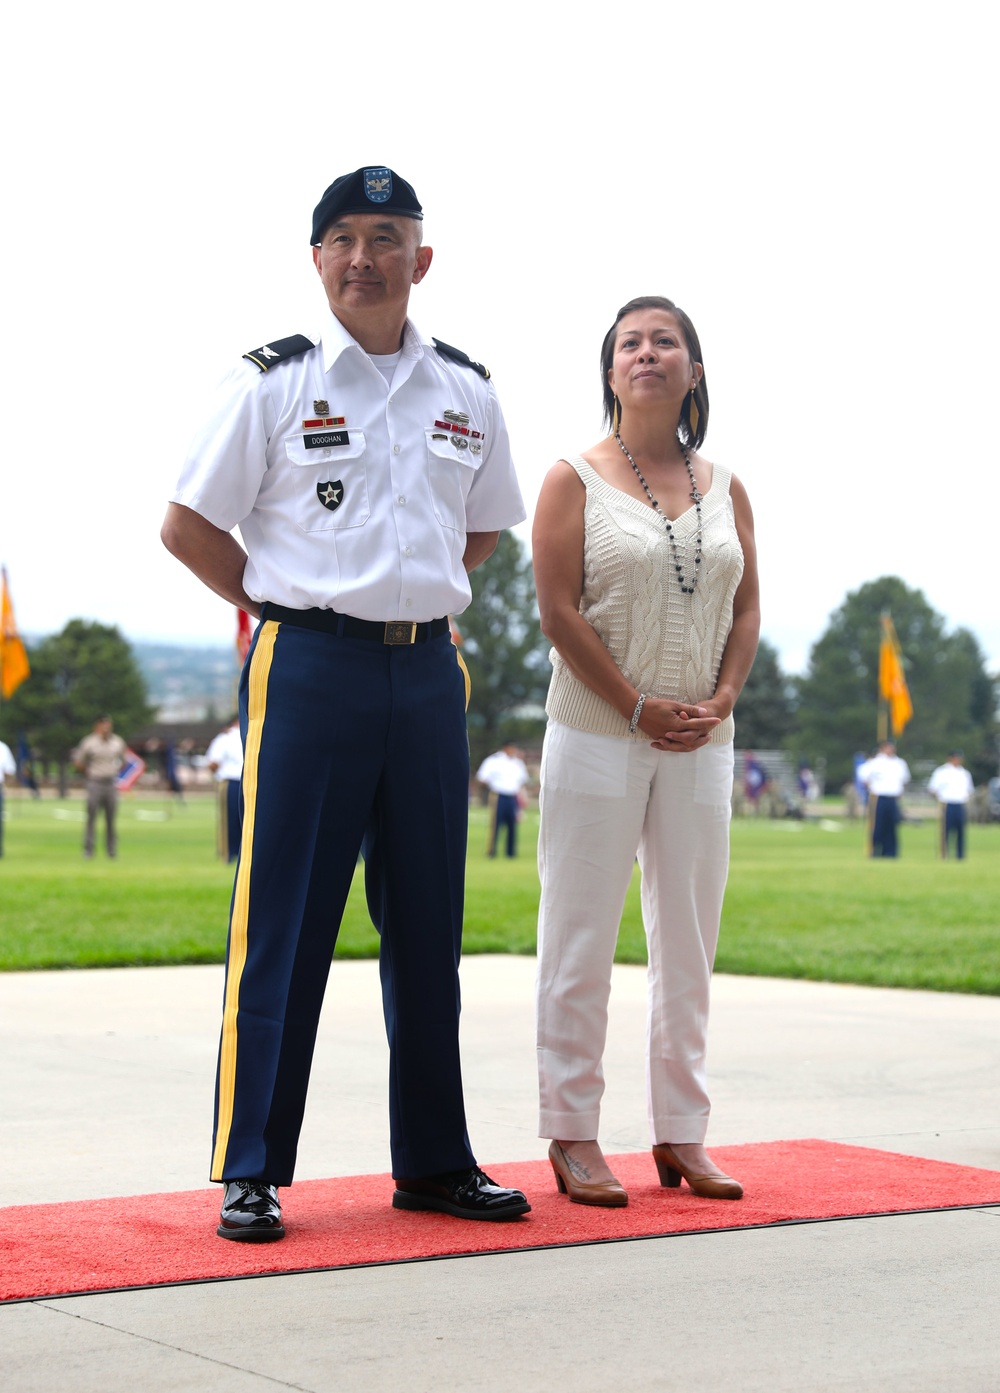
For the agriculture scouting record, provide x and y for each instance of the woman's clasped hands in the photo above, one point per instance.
(677, 726)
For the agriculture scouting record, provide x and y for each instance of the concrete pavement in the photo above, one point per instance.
(106, 1089)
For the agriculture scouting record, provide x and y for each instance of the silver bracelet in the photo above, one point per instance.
(634, 722)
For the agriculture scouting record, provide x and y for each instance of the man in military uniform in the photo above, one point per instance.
(99, 756)
(224, 758)
(368, 474)
(885, 776)
(951, 784)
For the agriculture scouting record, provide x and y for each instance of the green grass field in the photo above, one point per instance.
(803, 900)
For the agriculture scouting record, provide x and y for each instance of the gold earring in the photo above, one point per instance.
(615, 418)
(693, 415)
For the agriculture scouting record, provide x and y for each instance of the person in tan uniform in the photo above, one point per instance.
(99, 756)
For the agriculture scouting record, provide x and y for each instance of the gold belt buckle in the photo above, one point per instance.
(400, 632)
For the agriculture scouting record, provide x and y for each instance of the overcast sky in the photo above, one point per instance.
(815, 185)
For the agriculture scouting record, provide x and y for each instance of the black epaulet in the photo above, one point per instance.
(458, 356)
(270, 353)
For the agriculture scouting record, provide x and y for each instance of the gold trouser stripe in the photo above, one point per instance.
(222, 820)
(465, 674)
(260, 669)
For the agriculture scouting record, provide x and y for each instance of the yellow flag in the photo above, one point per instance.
(891, 678)
(13, 659)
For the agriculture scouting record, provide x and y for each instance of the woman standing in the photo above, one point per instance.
(647, 587)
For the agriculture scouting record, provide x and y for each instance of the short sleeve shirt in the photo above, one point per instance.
(503, 773)
(101, 759)
(351, 493)
(951, 783)
(885, 776)
(226, 751)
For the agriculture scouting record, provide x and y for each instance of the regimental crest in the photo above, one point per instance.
(330, 494)
(378, 185)
(321, 407)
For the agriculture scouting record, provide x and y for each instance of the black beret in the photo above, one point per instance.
(365, 191)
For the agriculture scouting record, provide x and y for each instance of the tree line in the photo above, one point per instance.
(85, 671)
(823, 717)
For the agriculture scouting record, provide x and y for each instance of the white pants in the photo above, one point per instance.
(603, 800)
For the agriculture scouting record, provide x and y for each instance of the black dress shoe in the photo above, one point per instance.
(468, 1194)
(251, 1212)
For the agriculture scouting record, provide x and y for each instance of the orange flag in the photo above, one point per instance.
(891, 678)
(13, 659)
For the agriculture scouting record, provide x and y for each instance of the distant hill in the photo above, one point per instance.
(189, 683)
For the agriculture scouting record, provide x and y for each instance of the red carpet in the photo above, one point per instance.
(152, 1240)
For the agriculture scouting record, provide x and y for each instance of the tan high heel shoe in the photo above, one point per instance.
(608, 1193)
(713, 1187)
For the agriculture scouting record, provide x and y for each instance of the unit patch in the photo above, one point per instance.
(330, 494)
(378, 185)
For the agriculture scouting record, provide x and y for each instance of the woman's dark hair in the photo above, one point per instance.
(691, 438)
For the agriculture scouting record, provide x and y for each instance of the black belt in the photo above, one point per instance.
(328, 621)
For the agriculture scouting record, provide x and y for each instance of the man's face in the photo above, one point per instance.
(368, 261)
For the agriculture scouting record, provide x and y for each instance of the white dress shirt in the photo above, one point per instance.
(503, 773)
(951, 783)
(885, 776)
(226, 751)
(404, 495)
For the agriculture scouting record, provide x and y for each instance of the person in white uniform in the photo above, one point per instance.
(8, 766)
(951, 784)
(367, 473)
(647, 586)
(505, 774)
(224, 757)
(885, 776)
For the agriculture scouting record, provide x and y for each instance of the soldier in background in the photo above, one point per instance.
(504, 773)
(225, 760)
(885, 776)
(7, 766)
(99, 756)
(951, 784)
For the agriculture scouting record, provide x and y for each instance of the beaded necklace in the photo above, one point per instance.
(695, 497)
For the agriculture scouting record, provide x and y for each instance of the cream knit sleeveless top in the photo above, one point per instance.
(666, 643)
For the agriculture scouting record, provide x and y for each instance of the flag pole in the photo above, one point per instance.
(882, 717)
